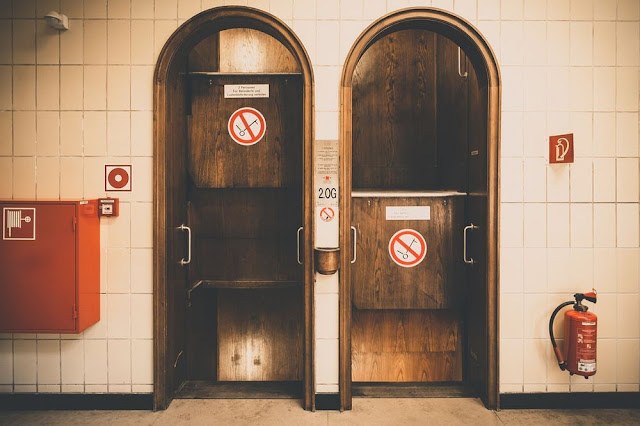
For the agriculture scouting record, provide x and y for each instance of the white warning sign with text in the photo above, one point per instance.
(241, 91)
(408, 213)
(326, 167)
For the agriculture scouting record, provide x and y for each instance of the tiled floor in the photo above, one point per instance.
(366, 411)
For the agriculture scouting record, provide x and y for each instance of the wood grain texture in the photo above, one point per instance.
(394, 113)
(202, 349)
(172, 180)
(204, 55)
(406, 346)
(435, 283)
(216, 161)
(201, 389)
(246, 50)
(245, 234)
(239, 284)
(452, 110)
(260, 335)
(412, 390)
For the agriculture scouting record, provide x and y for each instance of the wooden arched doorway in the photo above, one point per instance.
(232, 296)
(420, 97)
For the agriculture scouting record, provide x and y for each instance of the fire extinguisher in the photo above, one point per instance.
(580, 336)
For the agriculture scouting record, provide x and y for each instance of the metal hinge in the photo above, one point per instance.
(74, 312)
(74, 222)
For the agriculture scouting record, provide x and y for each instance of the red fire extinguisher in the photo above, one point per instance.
(580, 336)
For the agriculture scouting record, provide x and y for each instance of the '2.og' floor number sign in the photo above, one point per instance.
(247, 126)
(407, 248)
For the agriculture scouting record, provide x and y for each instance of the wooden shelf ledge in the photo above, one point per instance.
(245, 284)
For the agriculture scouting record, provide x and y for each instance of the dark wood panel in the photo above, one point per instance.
(379, 283)
(478, 314)
(260, 335)
(412, 390)
(216, 161)
(201, 329)
(249, 50)
(174, 181)
(451, 114)
(238, 284)
(477, 133)
(240, 390)
(204, 55)
(245, 234)
(394, 113)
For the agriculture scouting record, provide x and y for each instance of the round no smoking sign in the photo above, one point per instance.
(247, 126)
(407, 248)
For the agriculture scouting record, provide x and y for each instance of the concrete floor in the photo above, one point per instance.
(366, 411)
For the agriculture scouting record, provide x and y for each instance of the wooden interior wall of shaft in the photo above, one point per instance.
(406, 346)
(451, 116)
(242, 50)
(202, 336)
(176, 200)
(204, 55)
(435, 283)
(394, 107)
(247, 50)
(409, 114)
(217, 161)
(260, 335)
(245, 234)
(476, 331)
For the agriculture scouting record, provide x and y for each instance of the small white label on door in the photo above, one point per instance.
(246, 91)
(408, 213)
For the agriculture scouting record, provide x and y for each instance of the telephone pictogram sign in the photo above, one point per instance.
(247, 126)
(18, 223)
(327, 214)
(407, 248)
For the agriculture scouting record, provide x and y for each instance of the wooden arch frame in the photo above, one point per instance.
(481, 54)
(173, 53)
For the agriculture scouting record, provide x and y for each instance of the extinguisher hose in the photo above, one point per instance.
(561, 362)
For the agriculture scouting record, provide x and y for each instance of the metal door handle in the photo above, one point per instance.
(186, 261)
(459, 70)
(298, 250)
(464, 244)
(355, 245)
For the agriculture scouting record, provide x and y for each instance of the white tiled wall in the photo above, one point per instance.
(71, 102)
(569, 228)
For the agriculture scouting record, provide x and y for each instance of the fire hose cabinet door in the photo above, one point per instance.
(49, 266)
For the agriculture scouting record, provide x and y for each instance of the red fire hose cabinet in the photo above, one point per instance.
(49, 266)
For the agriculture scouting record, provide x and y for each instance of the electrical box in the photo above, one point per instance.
(49, 266)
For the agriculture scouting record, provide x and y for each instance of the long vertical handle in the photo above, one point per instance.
(298, 249)
(355, 245)
(186, 261)
(464, 244)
